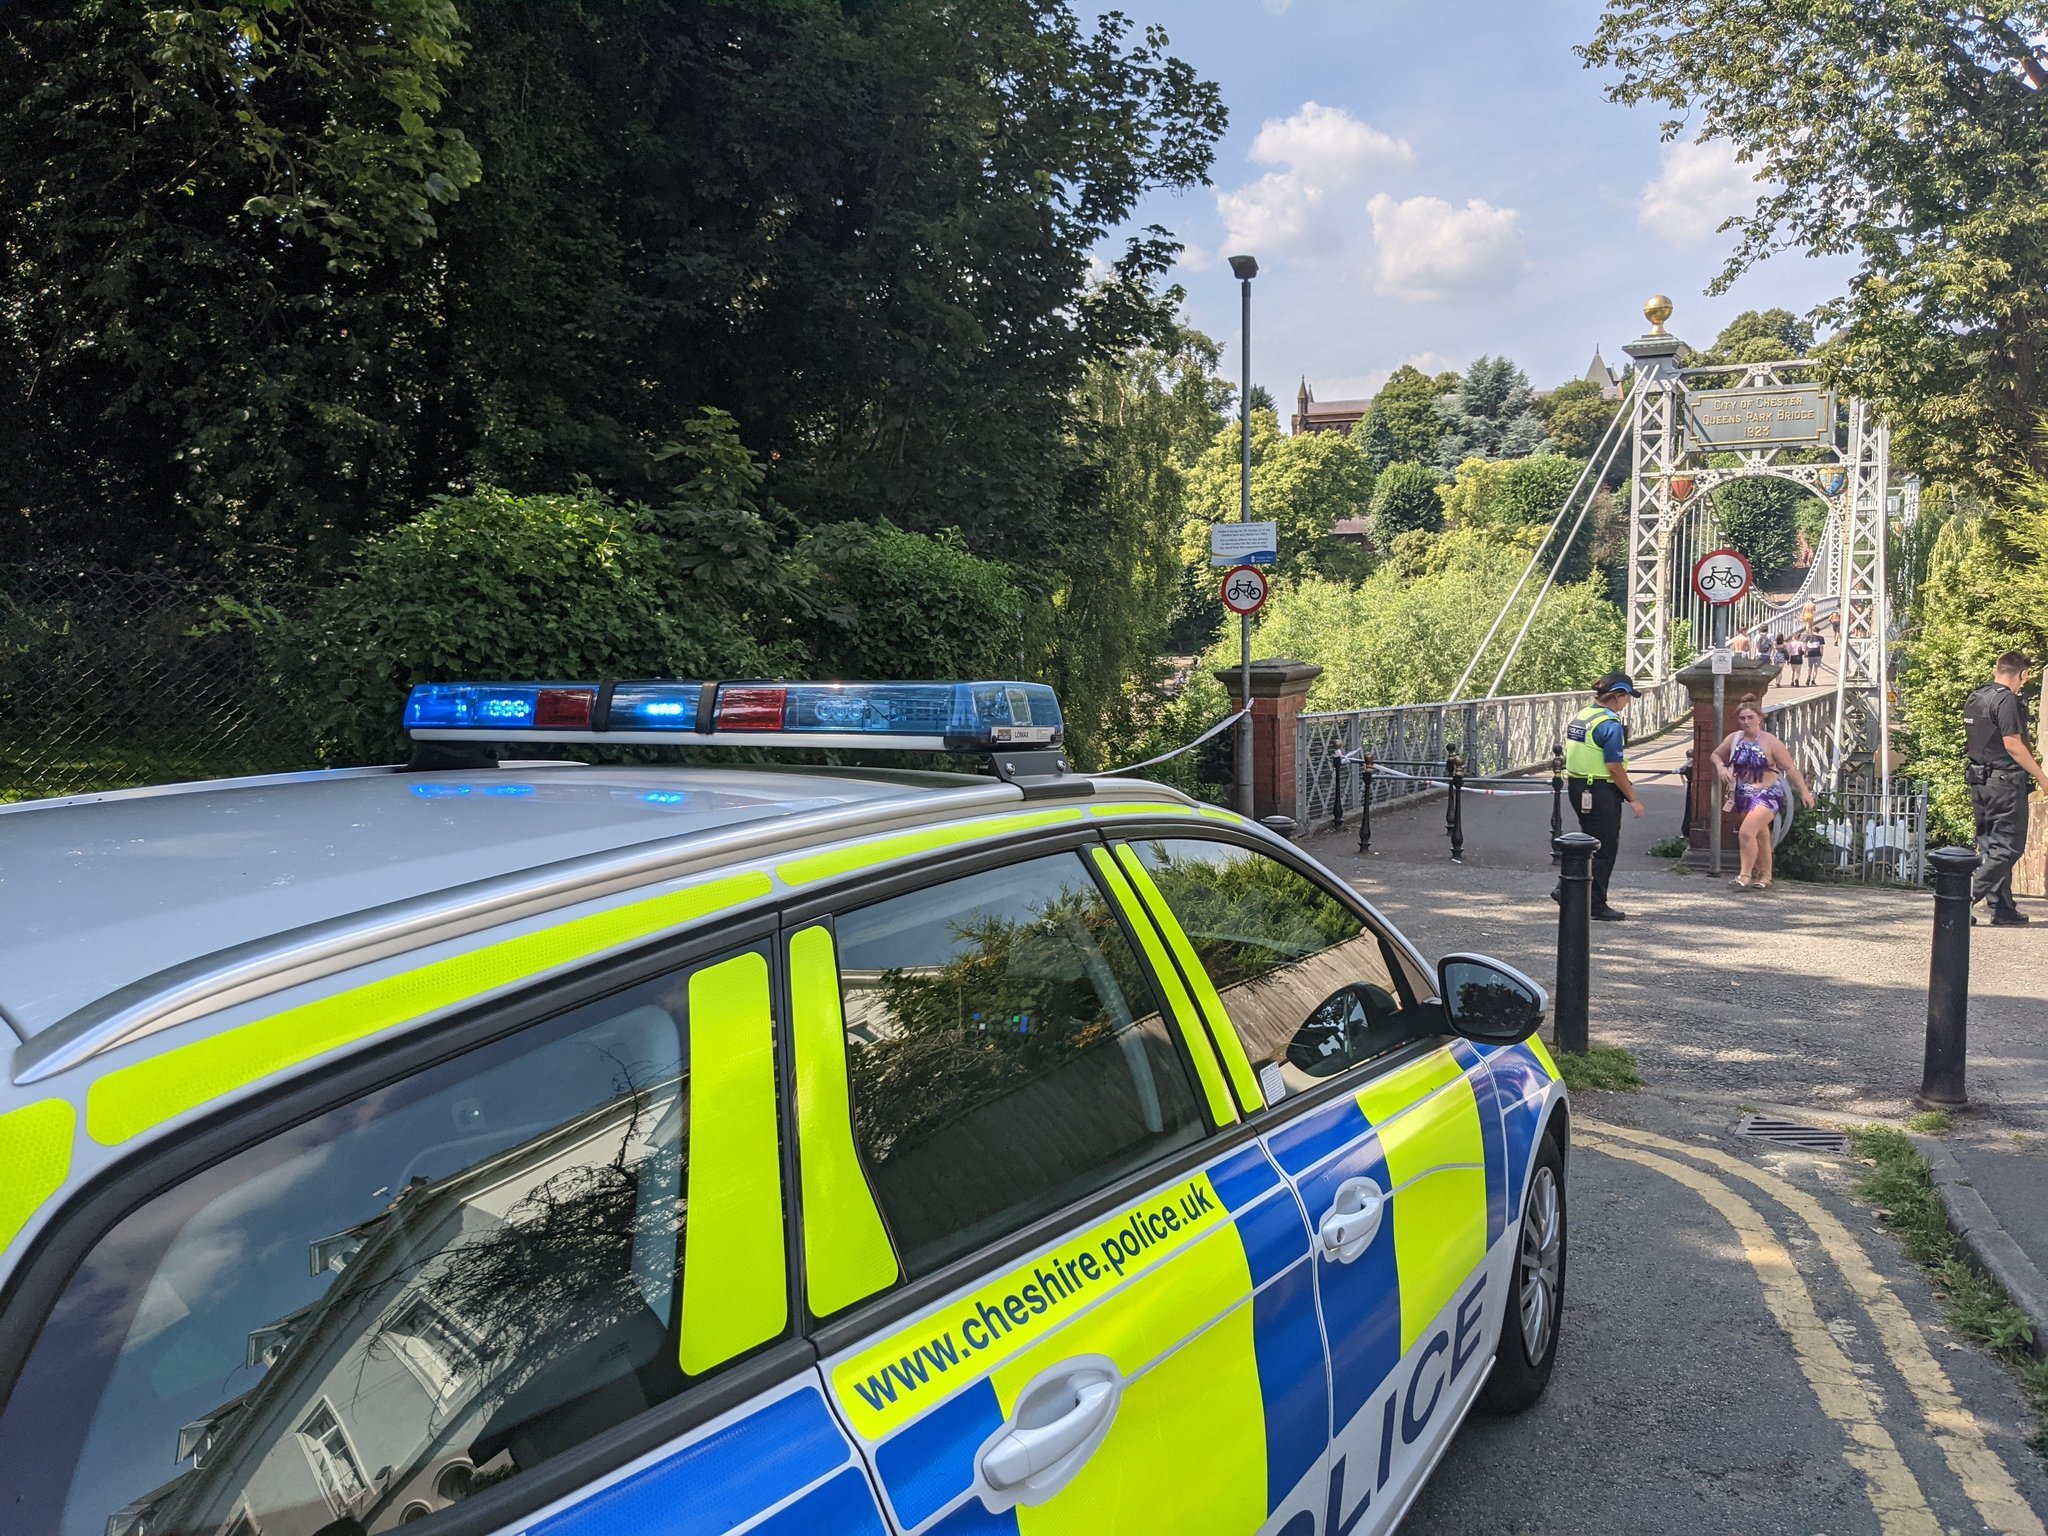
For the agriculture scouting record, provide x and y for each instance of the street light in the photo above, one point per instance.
(1244, 269)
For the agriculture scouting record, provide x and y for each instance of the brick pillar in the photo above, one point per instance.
(1749, 676)
(1279, 689)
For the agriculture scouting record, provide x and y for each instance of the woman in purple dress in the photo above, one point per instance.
(1754, 766)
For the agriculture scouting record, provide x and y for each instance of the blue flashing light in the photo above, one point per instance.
(472, 706)
(655, 706)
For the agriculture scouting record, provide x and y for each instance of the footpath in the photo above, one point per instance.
(1809, 996)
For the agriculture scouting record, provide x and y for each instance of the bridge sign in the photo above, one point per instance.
(1720, 577)
(1772, 416)
(1244, 590)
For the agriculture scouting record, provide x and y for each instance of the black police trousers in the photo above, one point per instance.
(1597, 803)
(2000, 807)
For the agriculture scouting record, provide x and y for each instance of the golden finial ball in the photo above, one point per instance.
(1657, 311)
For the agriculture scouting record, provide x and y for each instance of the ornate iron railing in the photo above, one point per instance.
(1491, 736)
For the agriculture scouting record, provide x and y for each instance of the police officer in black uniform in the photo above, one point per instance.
(2001, 763)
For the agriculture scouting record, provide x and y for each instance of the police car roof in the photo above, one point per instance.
(98, 893)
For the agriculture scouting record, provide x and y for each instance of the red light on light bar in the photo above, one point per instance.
(751, 709)
(564, 709)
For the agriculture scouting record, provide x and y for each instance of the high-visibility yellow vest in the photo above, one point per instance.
(1583, 758)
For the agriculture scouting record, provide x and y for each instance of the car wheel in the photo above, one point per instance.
(1535, 1309)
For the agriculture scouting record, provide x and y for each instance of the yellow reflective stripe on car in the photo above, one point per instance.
(35, 1159)
(927, 1360)
(1188, 1444)
(1106, 812)
(1436, 1162)
(878, 851)
(735, 1267)
(847, 1253)
(1543, 1058)
(1221, 1031)
(1178, 1005)
(133, 1099)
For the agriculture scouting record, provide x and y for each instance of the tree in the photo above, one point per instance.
(1759, 517)
(1306, 484)
(1407, 422)
(1910, 137)
(1986, 592)
(1762, 336)
(1140, 421)
(1262, 399)
(1404, 638)
(1490, 414)
(1405, 500)
(1374, 435)
(246, 316)
(1576, 416)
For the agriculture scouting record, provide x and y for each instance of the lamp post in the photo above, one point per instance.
(1245, 268)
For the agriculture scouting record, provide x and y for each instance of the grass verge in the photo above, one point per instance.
(1899, 1183)
(1604, 1066)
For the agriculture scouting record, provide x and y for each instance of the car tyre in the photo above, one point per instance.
(1535, 1304)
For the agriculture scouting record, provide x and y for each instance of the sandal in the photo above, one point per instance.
(1742, 884)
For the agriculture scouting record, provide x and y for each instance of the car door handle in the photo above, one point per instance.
(1030, 1451)
(1353, 1220)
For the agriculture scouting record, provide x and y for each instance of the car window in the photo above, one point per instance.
(423, 1292)
(1007, 1054)
(1310, 989)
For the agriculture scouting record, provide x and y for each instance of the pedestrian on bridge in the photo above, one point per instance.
(1754, 765)
(2001, 762)
(1816, 647)
(1596, 774)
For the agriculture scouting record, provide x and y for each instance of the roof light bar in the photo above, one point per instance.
(934, 717)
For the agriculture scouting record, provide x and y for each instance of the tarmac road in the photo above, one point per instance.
(1745, 1350)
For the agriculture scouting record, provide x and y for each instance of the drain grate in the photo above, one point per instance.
(1790, 1133)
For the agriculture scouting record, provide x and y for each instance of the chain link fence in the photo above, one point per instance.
(111, 679)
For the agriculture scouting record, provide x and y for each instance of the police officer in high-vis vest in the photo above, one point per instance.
(1596, 773)
(2001, 763)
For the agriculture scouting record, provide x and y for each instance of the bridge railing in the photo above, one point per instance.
(1491, 736)
(1878, 832)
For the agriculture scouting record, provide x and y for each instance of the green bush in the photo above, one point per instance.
(1405, 499)
(903, 605)
(1404, 635)
(493, 585)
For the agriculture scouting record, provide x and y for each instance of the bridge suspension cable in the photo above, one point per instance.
(1603, 453)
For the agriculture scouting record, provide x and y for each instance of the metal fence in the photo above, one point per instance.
(110, 679)
(1872, 838)
(1491, 736)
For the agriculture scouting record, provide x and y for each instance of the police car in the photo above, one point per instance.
(547, 1148)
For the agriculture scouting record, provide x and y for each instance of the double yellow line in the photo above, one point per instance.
(1847, 1398)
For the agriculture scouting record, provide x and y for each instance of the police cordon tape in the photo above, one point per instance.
(1221, 725)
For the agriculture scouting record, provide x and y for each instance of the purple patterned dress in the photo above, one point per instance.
(1752, 765)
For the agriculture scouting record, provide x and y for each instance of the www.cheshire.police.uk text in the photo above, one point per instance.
(1058, 1282)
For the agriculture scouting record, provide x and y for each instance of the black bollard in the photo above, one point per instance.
(1365, 805)
(1574, 942)
(1337, 767)
(1556, 799)
(1685, 821)
(1948, 978)
(1454, 807)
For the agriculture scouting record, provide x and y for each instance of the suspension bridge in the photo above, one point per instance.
(1681, 431)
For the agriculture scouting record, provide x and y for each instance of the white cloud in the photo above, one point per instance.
(1430, 250)
(1363, 386)
(1698, 186)
(1321, 151)
(1329, 144)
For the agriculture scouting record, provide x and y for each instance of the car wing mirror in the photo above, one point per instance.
(1488, 1001)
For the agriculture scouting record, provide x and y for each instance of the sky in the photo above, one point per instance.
(1427, 181)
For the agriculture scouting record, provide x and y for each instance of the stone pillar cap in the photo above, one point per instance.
(1276, 677)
